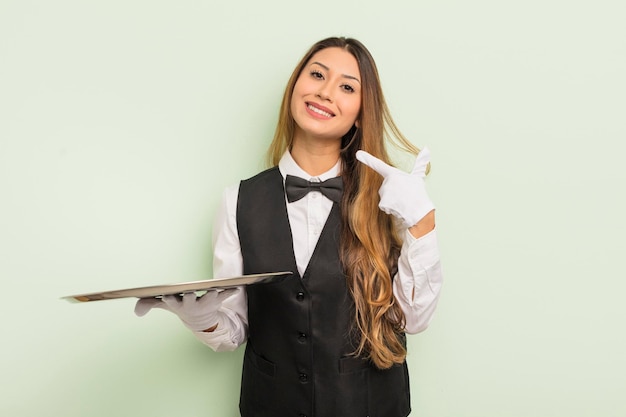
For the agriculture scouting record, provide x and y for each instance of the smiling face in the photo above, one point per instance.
(326, 98)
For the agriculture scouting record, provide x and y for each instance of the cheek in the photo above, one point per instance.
(299, 87)
(354, 108)
(294, 98)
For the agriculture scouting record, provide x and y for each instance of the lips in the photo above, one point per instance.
(319, 111)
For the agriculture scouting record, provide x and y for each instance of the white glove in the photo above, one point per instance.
(197, 313)
(402, 194)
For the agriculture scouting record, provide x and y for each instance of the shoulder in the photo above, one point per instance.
(260, 189)
(270, 174)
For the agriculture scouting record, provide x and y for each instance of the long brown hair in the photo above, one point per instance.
(369, 244)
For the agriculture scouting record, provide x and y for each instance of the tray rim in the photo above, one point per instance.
(152, 291)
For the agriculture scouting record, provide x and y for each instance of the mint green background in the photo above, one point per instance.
(122, 121)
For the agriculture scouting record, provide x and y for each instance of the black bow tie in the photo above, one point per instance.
(297, 188)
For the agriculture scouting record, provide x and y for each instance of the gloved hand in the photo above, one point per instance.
(197, 313)
(402, 194)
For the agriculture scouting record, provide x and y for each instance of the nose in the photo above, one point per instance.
(323, 93)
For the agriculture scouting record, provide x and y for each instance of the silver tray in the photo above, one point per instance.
(180, 288)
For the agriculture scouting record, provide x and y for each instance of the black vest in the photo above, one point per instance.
(298, 358)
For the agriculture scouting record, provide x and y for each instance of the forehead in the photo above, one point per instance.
(337, 60)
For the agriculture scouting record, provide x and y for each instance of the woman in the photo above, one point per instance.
(362, 244)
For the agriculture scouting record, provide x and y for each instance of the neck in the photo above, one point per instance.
(315, 156)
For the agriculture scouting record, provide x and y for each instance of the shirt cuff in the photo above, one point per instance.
(423, 251)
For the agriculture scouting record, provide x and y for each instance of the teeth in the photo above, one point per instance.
(319, 111)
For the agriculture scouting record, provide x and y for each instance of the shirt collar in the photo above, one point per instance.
(288, 166)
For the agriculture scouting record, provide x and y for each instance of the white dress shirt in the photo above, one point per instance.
(416, 286)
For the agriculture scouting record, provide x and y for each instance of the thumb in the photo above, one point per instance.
(421, 162)
(146, 304)
(375, 163)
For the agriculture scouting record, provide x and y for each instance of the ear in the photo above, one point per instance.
(357, 124)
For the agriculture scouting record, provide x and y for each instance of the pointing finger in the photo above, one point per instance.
(375, 163)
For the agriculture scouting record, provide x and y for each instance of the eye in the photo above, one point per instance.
(347, 88)
(317, 74)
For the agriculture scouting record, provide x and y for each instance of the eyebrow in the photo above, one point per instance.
(343, 75)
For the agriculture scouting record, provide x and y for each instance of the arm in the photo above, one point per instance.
(418, 282)
(424, 226)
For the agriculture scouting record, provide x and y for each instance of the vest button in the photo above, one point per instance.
(300, 296)
(304, 377)
(302, 337)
